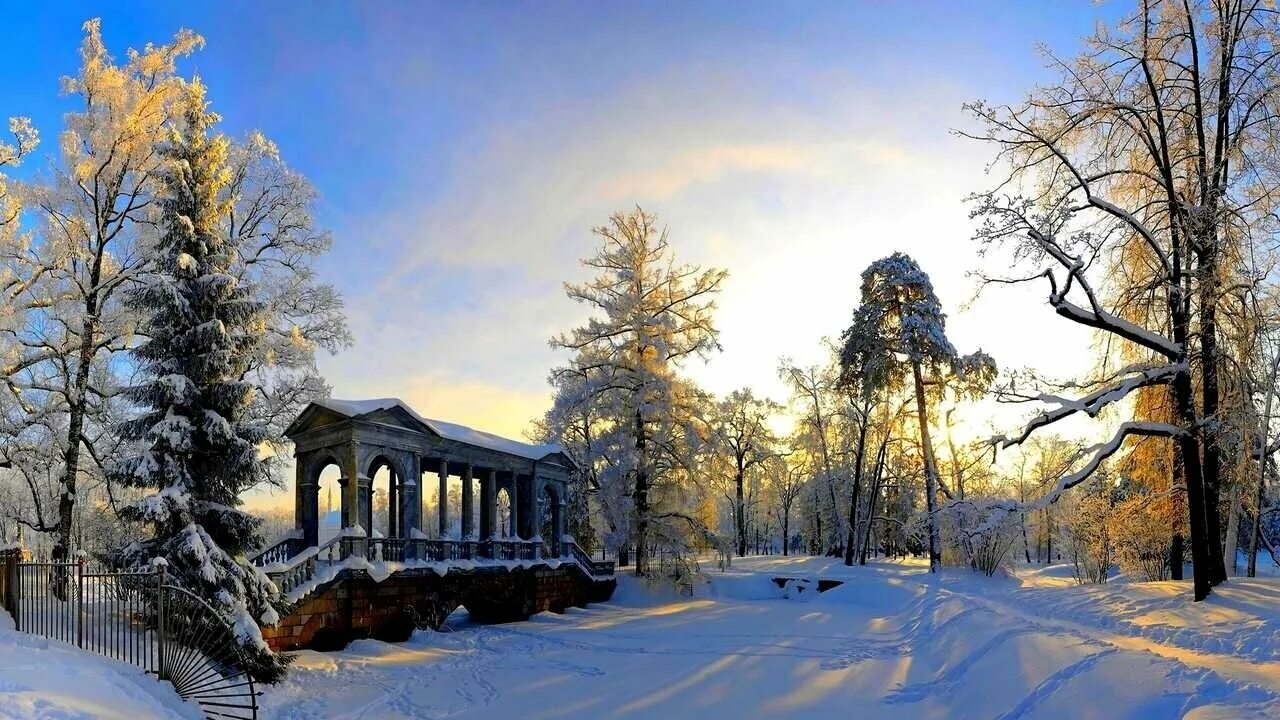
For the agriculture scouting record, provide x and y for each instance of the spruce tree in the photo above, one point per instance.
(196, 451)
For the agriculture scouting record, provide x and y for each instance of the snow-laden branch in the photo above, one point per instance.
(1096, 401)
(1103, 451)
(1095, 315)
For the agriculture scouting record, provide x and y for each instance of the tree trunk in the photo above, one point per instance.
(1189, 447)
(1261, 495)
(77, 405)
(871, 501)
(1211, 469)
(817, 518)
(1048, 537)
(1233, 529)
(740, 510)
(641, 499)
(786, 534)
(1259, 500)
(1178, 486)
(850, 546)
(930, 471)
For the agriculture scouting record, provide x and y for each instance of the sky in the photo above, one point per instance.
(463, 151)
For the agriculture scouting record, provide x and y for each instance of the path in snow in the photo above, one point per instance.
(892, 642)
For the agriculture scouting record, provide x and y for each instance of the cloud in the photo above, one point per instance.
(793, 202)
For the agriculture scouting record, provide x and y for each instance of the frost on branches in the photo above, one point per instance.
(899, 332)
(621, 402)
(194, 447)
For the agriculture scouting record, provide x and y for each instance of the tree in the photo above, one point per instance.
(1161, 132)
(96, 227)
(813, 391)
(64, 330)
(898, 327)
(652, 316)
(194, 447)
(785, 488)
(14, 258)
(740, 430)
(269, 220)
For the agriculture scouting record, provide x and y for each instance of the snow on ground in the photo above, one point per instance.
(892, 642)
(42, 679)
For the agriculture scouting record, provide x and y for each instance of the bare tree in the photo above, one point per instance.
(1162, 132)
(740, 429)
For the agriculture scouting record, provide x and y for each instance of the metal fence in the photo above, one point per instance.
(133, 616)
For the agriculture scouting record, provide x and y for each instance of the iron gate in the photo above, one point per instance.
(137, 617)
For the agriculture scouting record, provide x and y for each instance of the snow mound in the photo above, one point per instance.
(41, 678)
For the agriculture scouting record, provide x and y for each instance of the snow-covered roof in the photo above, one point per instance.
(447, 430)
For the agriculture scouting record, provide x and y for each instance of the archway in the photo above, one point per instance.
(329, 500)
(386, 502)
(550, 510)
(504, 529)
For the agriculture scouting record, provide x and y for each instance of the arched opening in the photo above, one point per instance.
(473, 510)
(504, 529)
(329, 500)
(549, 510)
(452, 499)
(386, 499)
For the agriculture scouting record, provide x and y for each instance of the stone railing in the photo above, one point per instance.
(282, 551)
(436, 550)
(293, 571)
(594, 568)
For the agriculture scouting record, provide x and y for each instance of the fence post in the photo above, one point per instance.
(161, 670)
(80, 602)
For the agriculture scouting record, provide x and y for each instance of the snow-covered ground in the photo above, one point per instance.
(46, 679)
(892, 642)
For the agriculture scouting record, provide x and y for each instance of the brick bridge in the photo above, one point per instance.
(503, 558)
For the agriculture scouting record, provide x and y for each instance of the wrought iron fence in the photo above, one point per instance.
(134, 616)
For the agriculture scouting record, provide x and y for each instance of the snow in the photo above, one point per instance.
(42, 678)
(447, 430)
(891, 642)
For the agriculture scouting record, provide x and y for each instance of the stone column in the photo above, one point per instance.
(411, 504)
(350, 486)
(488, 505)
(306, 503)
(393, 511)
(515, 506)
(411, 498)
(468, 508)
(558, 545)
(535, 504)
(444, 497)
(366, 506)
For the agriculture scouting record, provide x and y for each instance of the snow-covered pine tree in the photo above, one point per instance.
(899, 328)
(196, 451)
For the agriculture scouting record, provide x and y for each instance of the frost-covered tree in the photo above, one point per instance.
(89, 237)
(898, 329)
(15, 279)
(1162, 132)
(651, 316)
(269, 220)
(742, 436)
(814, 401)
(92, 225)
(196, 449)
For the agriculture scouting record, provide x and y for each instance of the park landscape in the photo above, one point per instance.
(472, 361)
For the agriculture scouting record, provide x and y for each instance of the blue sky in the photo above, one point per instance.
(464, 150)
